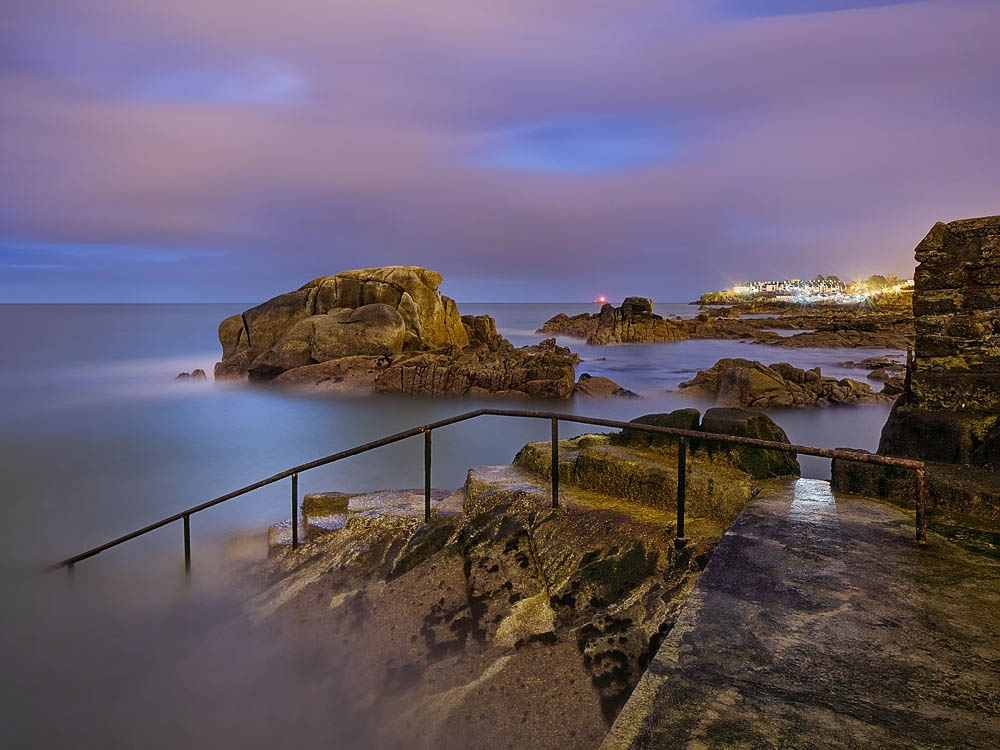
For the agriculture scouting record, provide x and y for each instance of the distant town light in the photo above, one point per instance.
(602, 299)
(819, 289)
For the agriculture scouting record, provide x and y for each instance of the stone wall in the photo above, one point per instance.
(951, 412)
(949, 415)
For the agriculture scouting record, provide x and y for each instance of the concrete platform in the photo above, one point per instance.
(819, 623)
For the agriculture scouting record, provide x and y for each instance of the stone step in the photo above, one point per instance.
(486, 485)
(645, 476)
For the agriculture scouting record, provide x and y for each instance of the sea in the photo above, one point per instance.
(98, 438)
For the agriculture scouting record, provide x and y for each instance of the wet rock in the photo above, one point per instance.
(840, 327)
(680, 419)
(488, 612)
(759, 463)
(544, 370)
(388, 330)
(745, 383)
(593, 386)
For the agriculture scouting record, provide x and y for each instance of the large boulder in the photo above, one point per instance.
(679, 419)
(759, 463)
(596, 386)
(317, 320)
(432, 321)
(371, 330)
(266, 323)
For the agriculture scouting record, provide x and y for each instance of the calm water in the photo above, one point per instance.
(96, 439)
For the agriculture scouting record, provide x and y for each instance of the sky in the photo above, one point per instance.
(528, 150)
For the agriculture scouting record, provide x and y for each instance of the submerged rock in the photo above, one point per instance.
(195, 374)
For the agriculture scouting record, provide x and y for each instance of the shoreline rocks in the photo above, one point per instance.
(822, 327)
(500, 595)
(746, 383)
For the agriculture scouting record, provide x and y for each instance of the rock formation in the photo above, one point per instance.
(388, 330)
(502, 603)
(595, 386)
(741, 382)
(950, 413)
(841, 327)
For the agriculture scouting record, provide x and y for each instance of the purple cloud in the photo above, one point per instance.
(663, 148)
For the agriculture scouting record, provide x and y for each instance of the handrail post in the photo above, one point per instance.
(681, 540)
(555, 462)
(427, 476)
(187, 543)
(921, 507)
(295, 511)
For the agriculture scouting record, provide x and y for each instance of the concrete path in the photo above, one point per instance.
(819, 623)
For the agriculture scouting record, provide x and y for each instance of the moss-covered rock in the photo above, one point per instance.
(759, 463)
(679, 419)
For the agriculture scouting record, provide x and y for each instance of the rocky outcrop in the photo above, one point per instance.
(544, 370)
(501, 603)
(841, 327)
(741, 382)
(468, 623)
(386, 330)
(595, 386)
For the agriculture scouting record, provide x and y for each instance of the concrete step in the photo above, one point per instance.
(820, 623)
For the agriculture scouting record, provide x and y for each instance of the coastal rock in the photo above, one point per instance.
(345, 375)
(195, 374)
(746, 383)
(758, 463)
(431, 320)
(388, 330)
(679, 419)
(840, 327)
(544, 370)
(885, 364)
(450, 622)
(595, 386)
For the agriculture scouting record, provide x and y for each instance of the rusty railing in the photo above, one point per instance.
(683, 438)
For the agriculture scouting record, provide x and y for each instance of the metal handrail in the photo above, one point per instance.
(555, 417)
